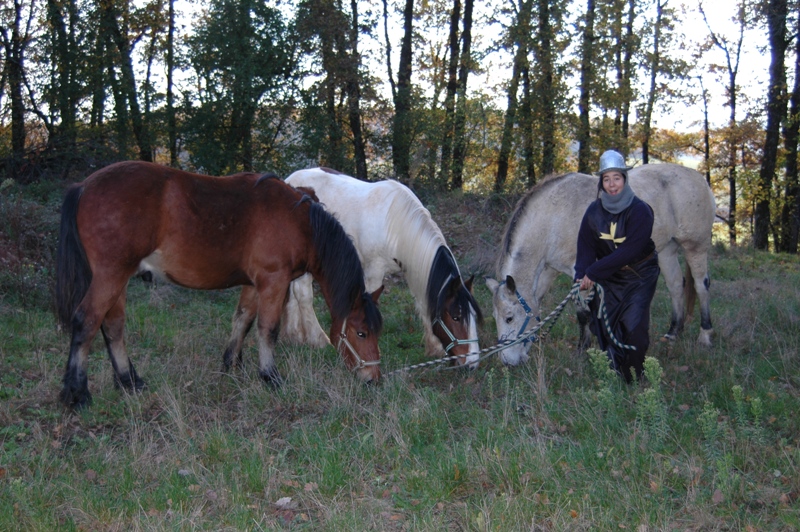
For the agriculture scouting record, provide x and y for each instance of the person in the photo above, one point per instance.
(616, 251)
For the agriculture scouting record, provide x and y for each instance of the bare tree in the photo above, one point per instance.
(587, 80)
(450, 94)
(733, 52)
(16, 35)
(459, 126)
(777, 12)
(520, 32)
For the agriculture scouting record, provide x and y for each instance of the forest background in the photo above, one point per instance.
(485, 97)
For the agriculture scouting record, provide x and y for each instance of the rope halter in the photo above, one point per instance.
(343, 340)
(528, 316)
(453, 340)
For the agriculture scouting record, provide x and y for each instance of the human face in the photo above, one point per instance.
(613, 182)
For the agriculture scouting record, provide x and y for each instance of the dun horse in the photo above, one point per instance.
(206, 233)
(393, 233)
(540, 241)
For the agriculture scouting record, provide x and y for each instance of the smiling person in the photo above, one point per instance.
(616, 251)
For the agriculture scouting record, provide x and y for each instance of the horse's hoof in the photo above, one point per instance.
(271, 377)
(128, 384)
(75, 399)
(705, 337)
(668, 338)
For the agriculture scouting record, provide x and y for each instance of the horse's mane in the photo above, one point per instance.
(423, 253)
(443, 270)
(340, 266)
(520, 210)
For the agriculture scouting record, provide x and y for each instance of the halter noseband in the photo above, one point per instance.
(453, 340)
(528, 316)
(343, 340)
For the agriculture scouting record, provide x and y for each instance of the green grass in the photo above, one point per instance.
(555, 444)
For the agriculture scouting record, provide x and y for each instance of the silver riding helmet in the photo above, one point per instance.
(613, 160)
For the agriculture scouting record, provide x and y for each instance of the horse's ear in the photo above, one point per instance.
(454, 286)
(310, 191)
(491, 284)
(376, 294)
(468, 283)
(511, 284)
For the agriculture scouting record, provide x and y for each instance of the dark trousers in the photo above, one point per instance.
(628, 294)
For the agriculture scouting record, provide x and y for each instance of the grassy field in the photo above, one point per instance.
(713, 443)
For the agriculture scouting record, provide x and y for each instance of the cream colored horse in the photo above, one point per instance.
(540, 241)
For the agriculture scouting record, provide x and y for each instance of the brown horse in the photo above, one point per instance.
(202, 232)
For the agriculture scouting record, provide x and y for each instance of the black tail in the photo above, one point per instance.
(73, 274)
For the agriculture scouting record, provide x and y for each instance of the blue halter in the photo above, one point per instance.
(528, 317)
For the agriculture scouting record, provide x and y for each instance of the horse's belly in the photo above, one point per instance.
(195, 274)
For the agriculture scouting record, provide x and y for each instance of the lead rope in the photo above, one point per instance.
(550, 320)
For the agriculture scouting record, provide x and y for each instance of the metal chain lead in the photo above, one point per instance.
(550, 320)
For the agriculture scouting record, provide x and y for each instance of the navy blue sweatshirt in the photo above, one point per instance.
(607, 242)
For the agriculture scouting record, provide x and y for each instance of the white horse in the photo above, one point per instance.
(393, 233)
(540, 241)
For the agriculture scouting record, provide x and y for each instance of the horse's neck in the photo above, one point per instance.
(525, 267)
(415, 239)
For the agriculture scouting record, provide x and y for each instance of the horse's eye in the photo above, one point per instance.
(509, 319)
(456, 318)
(361, 334)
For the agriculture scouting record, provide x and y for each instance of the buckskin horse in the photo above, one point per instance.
(540, 241)
(202, 232)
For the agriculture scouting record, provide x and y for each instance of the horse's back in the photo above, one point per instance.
(183, 225)
(682, 202)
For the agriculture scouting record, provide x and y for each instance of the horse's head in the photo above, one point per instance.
(356, 337)
(513, 316)
(456, 324)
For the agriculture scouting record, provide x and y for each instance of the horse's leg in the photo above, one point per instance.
(271, 297)
(697, 263)
(243, 319)
(113, 330)
(671, 270)
(86, 320)
(299, 322)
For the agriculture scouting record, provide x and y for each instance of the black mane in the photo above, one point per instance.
(444, 269)
(340, 266)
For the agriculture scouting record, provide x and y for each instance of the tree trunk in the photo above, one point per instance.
(401, 131)
(172, 127)
(627, 61)
(14, 71)
(520, 31)
(587, 79)
(459, 129)
(450, 95)
(776, 110)
(140, 130)
(64, 137)
(354, 97)
(526, 126)
(547, 89)
(706, 134)
(790, 213)
(655, 62)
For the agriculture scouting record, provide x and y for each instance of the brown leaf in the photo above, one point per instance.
(311, 486)
(717, 497)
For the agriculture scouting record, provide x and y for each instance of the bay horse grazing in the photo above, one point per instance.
(393, 233)
(201, 232)
(540, 241)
